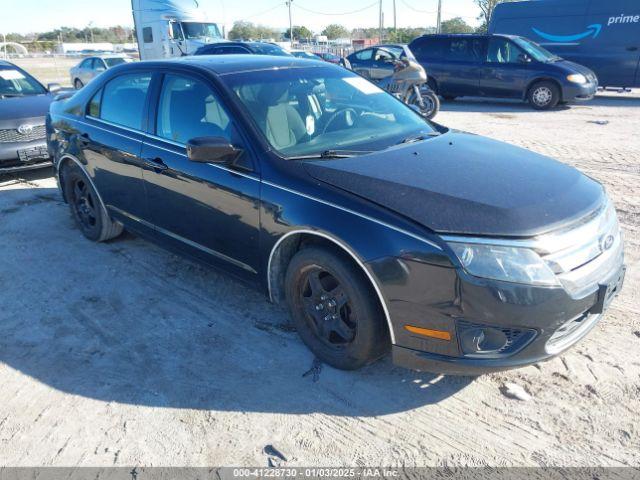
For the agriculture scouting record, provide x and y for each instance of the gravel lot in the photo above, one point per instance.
(124, 354)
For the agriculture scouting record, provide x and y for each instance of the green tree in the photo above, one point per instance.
(335, 30)
(456, 25)
(487, 6)
(242, 30)
(298, 33)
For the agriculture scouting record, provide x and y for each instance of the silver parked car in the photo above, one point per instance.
(90, 67)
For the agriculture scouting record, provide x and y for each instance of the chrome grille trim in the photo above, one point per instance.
(13, 136)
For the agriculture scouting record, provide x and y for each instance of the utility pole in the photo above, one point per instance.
(395, 24)
(290, 23)
(439, 21)
(380, 20)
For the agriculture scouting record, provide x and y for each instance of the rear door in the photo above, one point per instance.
(463, 59)
(207, 210)
(506, 72)
(111, 143)
(362, 62)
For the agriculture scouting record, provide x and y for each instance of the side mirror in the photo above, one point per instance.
(212, 150)
(54, 87)
(524, 58)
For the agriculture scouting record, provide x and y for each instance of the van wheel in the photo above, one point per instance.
(544, 95)
(334, 309)
(86, 207)
(78, 84)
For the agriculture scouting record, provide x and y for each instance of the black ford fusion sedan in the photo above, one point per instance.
(379, 230)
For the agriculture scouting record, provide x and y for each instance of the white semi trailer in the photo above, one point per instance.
(172, 28)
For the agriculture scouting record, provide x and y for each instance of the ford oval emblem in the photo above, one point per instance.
(606, 242)
(25, 129)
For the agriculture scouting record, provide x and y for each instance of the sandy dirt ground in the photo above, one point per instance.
(124, 354)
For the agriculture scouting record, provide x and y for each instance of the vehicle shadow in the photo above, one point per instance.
(128, 322)
(491, 105)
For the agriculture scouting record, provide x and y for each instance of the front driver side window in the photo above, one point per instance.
(189, 109)
(502, 50)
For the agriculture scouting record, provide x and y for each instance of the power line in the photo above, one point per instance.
(297, 5)
(411, 7)
(271, 9)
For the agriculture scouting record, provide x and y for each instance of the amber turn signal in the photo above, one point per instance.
(427, 332)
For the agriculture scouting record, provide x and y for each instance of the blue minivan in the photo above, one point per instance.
(604, 36)
(504, 66)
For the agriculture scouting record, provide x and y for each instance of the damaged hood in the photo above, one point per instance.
(460, 183)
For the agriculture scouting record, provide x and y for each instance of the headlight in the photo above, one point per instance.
(577, 78)
(509, 264)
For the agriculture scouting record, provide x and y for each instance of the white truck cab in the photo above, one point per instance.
(172, 28)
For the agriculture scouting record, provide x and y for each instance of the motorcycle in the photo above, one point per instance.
(408, 83)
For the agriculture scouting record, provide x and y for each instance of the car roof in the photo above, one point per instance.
(225, 64)
(4, 63)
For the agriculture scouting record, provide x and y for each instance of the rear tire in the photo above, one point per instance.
(334, 309)
(86, 208)
(78, 84)
(544, 95)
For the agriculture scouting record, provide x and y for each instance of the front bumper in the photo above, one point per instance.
(22, 156)
(574, 91)
(539, 322)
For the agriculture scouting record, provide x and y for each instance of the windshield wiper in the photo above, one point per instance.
(330, 154)
(418, 138)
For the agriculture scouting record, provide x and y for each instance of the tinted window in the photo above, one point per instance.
(94, 105)
(112, 62)
(429, 47)
(463, 49)
(364, 55)
(86, 63)
(502, 50)
(98, 64)
(123, 100)
(147, 35)
(189, 109)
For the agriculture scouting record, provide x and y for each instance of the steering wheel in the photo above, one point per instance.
(350, 119)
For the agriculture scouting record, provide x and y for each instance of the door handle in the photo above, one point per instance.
(632, 49)
(156, 164)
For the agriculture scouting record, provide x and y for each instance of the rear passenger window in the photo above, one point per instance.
(189, 109)
(463, 49)
(428, 48)
(124, 98)
(364, 55)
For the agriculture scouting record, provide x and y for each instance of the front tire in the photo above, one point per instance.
(334, 309)
(544, 95)
(86, 208)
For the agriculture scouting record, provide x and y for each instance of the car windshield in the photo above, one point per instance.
(14, 83)
(535, 51)
(315, 111)
(267, 49)
(200, 31)
(112, 62)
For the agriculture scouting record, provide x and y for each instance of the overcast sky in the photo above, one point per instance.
(41, 15)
